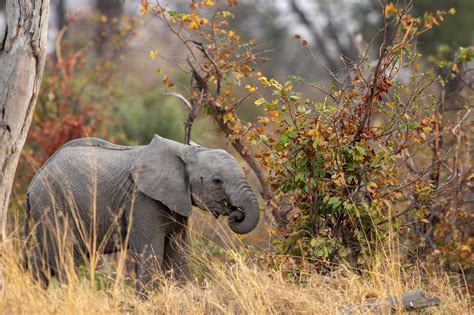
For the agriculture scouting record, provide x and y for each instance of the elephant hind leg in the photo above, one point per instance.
(40, 268)
(64, 262)
(52, 255)
(45, 266)
(40, 256)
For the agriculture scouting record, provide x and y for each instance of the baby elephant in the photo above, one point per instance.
(93, 196)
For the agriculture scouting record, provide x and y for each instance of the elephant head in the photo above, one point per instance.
(181, 176)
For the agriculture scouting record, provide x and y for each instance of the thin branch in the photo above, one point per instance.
(238, 102)
(191, 116)
(199, 79)
(213, 62)
(317, 39)
(373, 86)
(182, 98)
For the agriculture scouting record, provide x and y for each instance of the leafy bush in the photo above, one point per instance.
(339, 163)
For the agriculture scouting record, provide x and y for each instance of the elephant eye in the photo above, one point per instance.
(217, 180)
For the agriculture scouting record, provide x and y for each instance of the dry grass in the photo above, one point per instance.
(234, 285)
(224, 289)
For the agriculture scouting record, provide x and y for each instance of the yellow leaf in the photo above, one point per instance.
(455, 68)
(193, 25)
(228, 117)
(153, 54)
(273, 113)
(371, 187)
(250, 88)
(390, 9)
(144, 7)
(210, 3)
(264, 81)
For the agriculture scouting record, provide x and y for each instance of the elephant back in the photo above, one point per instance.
(84, 174)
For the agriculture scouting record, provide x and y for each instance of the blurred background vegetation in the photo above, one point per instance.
(332, 27)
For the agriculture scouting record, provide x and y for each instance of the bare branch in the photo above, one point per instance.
(182, 98)
(317, 39)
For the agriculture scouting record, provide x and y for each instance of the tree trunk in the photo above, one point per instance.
(60, 14)
(22, 57)
(110, 9)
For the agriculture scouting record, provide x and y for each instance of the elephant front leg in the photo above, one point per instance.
(147, 242)
(149, 262)
(147, 246)
(176, 261)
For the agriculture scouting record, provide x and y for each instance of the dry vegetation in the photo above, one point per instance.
(232, 285)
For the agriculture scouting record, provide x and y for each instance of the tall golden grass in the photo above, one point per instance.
(233, 285)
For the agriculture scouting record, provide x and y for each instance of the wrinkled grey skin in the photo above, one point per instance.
(148, 190)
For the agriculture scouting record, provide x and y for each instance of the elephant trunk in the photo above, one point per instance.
(245, 212)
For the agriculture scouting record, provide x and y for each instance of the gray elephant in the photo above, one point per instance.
(94, 196)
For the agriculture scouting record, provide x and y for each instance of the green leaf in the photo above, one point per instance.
(172, 13)
(260, 101)
(334, 201)
(283, 139)
(299, 177)
(465, 54)
(227, 14)
(293, 98)
(391, 104)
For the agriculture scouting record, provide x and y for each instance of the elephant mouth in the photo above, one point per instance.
(234, 213)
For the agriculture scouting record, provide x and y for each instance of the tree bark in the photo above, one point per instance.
(22, 57)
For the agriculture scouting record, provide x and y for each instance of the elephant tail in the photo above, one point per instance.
(26, 232)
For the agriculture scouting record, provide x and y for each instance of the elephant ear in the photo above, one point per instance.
(160, 173)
